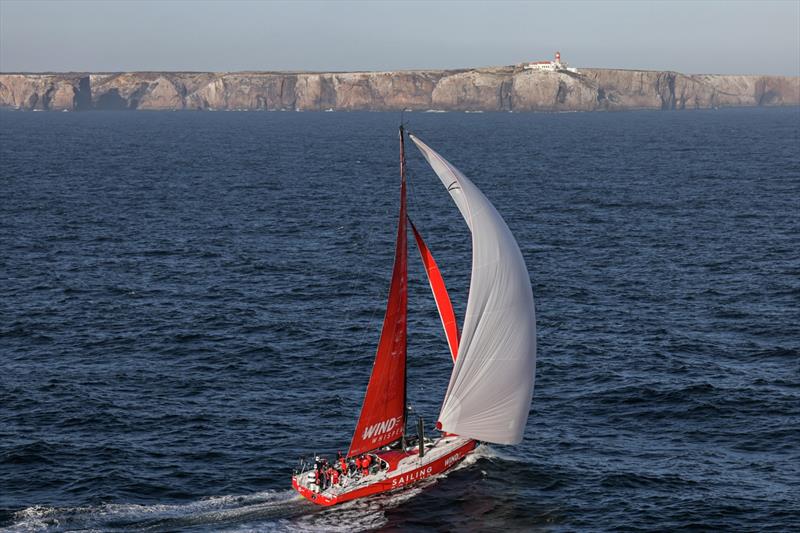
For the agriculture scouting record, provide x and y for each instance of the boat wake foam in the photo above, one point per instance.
(269, 510)
(265, 511)
(217, 512)
(485, 451)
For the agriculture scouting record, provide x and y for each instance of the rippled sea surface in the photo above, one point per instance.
(191, 301)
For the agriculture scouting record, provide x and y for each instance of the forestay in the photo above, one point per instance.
(491, 386)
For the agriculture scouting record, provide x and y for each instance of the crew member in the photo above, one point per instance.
(365, 465)
(333, 476)
(322, 469)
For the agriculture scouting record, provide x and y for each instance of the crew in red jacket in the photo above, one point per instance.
(365, 465)
(333, 475)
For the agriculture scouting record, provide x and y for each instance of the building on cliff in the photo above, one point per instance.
(549, 66)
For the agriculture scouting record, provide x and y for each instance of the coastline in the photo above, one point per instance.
(482, 89)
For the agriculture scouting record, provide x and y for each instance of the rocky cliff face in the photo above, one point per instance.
(486, 89)
(54, 92)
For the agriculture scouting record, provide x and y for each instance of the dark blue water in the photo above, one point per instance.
(189, 302)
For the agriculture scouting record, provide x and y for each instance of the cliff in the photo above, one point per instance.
(485, 89)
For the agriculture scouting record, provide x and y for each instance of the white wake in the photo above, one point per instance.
(263, 511)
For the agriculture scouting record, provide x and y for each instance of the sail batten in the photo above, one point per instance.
(491, 385)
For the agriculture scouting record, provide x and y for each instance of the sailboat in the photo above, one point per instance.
(494, 359)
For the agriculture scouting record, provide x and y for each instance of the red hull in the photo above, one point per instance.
(395, 479)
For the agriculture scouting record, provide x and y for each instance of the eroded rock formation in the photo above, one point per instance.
(486, 89)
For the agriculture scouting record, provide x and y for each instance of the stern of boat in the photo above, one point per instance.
(308, 490)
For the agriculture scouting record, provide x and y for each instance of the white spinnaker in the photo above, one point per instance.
(491, 387)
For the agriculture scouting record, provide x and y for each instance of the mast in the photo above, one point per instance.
(383, 413)
(403, 208)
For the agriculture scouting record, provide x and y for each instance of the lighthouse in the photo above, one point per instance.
(549, 66)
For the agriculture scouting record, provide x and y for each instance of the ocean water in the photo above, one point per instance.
(191, 301)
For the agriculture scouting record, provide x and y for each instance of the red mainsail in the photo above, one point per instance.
(383, 414)
(443, 303)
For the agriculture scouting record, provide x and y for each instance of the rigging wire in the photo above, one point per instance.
(418, 387)
(368, 326)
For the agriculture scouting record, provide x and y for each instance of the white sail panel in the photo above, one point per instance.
(491, 386)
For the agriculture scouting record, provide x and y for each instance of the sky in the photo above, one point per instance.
(721, 37)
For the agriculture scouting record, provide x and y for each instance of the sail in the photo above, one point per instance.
(383, 413)
(490, 389)
(443, 303)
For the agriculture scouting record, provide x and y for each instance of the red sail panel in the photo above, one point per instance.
(382, 419)
(439, 290)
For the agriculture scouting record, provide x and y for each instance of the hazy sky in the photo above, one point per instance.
(725, 37)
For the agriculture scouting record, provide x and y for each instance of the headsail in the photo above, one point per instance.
(443, 303)
(383, 414)
(491, 386)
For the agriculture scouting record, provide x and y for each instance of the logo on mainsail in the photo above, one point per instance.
(380, 428)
